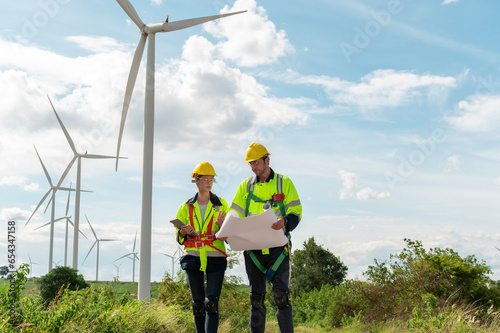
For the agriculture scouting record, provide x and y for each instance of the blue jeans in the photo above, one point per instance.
(279, 283)
(207, 323)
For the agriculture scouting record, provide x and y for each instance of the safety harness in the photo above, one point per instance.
(204, 239)
(275, 201)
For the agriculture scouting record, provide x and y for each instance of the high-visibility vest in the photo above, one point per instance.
(280, 192)
(189, 213)
(284, 203)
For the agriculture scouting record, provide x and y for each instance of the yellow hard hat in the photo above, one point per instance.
(203, 169)
(254, 152)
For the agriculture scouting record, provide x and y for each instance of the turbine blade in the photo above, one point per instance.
(71, 222)
(39, 204)
(135, 239)
(124, 256)
(68, 137)
(109, 240)
(97, 156)
(130, 10)
(91, 228)
(132, 76)
(48, 204)
(43, 166)
(67, 203)
(182, 24)
(65, 173)
(89, 251)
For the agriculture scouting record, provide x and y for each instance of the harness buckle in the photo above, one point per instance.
(279, 197)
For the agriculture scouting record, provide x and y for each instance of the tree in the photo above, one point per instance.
(4, 270)
(61, 277)
(314, 267)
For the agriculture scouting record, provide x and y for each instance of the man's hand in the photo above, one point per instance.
(279, 224)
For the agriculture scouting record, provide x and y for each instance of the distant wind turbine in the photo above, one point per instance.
(52, 190)
(31, 265)
(118, 270)
(97, 241)
(68, 221)
(134, 257)
(148, 31)
(77, 157)
(173, 262)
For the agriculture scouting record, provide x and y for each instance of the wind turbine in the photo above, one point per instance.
(97, 241)
(134, 257)
(148, 32)
(173, 261)
(68, 221)
(31, 265)
(77, 157)
(52, 190)
(118, 271)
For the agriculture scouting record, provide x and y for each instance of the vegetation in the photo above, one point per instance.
(416, 290)
(314, 267)
(59, 278)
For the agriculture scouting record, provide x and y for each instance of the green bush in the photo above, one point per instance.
(58, 279)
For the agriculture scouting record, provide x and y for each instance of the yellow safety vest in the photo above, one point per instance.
(189, 213)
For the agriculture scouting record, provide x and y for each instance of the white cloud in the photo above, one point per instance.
(97, 44)
(497, 181)
(454, 163)
(348, 187)
(447, 2)
(478, 114)
(14, 214)
(383, 88)
(20, 182)
(369, 194)
(348, 184)
(250, 39)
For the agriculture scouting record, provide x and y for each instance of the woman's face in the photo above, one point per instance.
(204, 183)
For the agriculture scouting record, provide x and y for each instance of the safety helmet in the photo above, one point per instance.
(203, 169)
(255, 151)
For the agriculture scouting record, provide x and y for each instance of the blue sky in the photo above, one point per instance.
(385, 114)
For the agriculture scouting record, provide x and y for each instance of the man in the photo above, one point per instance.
(273, 263)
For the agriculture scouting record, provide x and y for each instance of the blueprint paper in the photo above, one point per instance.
(252, 232)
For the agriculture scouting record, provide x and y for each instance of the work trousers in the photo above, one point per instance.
(208, 323)
(280, 284)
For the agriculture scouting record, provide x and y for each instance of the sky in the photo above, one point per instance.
(385, 115)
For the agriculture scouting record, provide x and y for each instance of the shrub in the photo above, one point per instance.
(58, 279)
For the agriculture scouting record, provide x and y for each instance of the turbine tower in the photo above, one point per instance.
(97, 241)
(148, 32)
(52, 190)
(77, 157)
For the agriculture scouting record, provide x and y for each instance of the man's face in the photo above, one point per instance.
(260, 166)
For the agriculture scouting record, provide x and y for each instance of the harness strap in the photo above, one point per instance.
(200, 241)
(271, 271)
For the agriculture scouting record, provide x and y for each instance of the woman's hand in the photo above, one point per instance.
(220, 219)
(186, 230)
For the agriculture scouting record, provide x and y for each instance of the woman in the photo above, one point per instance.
(204, 255)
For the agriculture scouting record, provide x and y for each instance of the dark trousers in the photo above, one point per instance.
(209, 323)
(257, 281)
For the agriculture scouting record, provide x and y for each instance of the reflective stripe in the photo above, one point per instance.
(238, 209)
